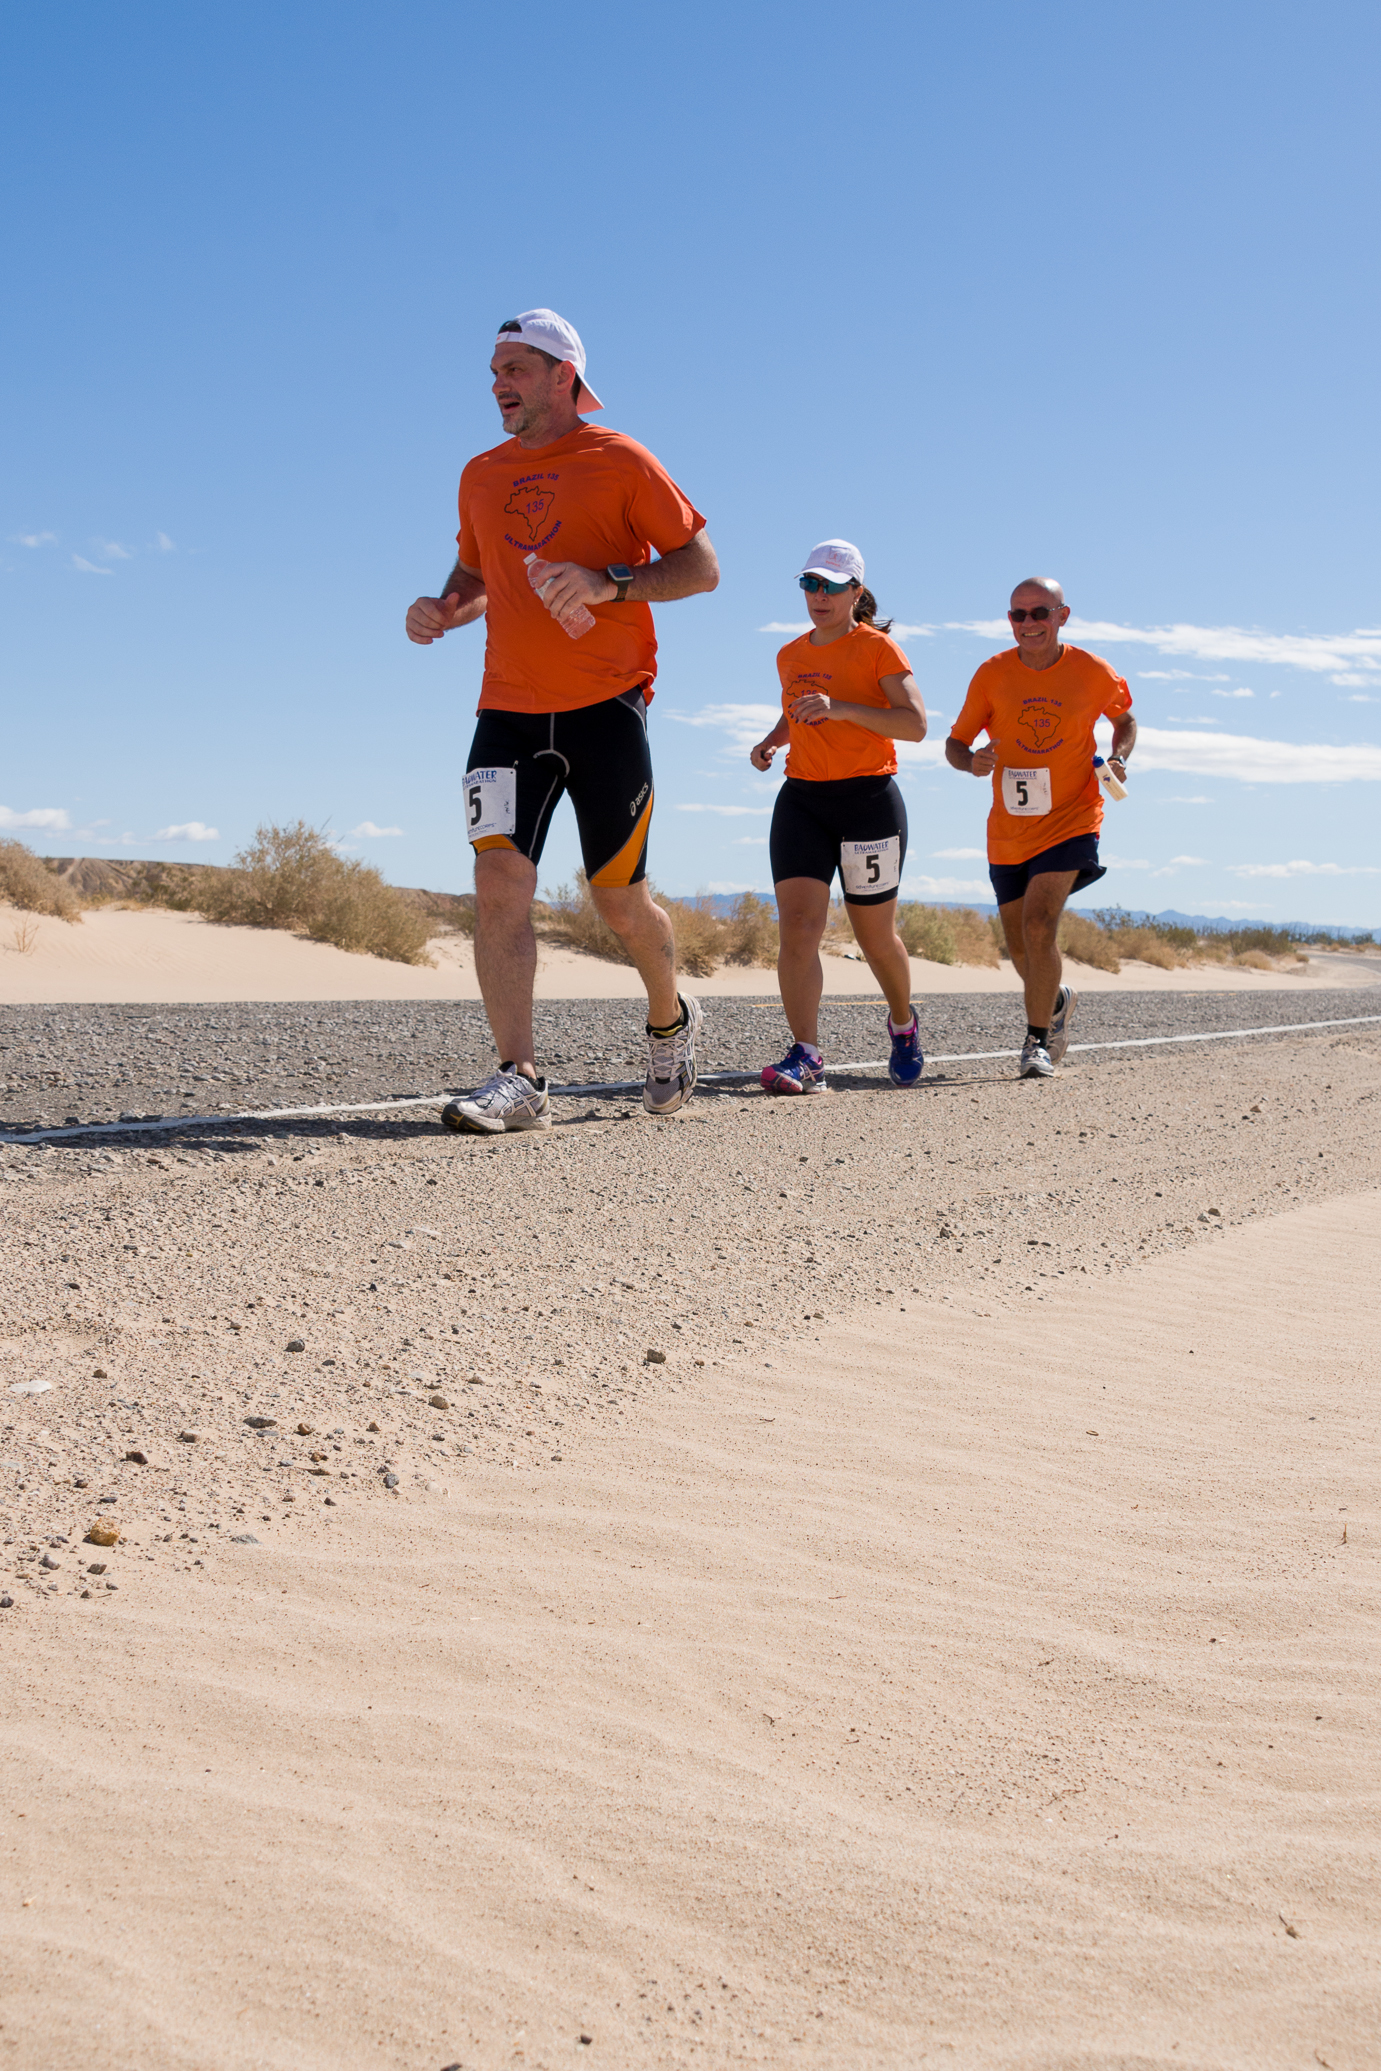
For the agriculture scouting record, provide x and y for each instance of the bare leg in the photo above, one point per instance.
(803, 907)
(506, 950)
(645, 932)
(876, 933)
(1030, 925)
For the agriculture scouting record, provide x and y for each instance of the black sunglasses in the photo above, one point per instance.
(1041, 611)
(812, 583)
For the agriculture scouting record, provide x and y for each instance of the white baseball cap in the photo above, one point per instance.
(836, 561)
(545, 331)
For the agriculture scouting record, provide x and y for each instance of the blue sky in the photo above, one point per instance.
(1086, 292)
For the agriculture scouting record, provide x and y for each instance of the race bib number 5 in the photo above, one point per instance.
(491, 802)
(870, 866)
(1026, 792)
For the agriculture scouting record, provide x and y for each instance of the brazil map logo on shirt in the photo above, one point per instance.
(529, 505)
(1037, 725)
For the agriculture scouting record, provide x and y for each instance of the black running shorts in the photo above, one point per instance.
(1009, 880)
(521, 763)
(854, 825)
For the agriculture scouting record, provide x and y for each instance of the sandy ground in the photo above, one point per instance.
(115, 955)
(971, 1662)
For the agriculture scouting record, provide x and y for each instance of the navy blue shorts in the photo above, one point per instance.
(1009, 880)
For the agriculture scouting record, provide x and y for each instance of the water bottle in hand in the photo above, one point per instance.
(1114, 787)
(575, 622)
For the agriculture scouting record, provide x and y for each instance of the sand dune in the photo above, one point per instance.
(120, 955)
(984, 1689)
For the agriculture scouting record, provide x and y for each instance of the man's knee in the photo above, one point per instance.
(505, 883)
(1039, 929)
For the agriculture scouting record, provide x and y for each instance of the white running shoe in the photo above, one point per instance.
(671, 1066)
(507, 1101)
(1065, 1005)
(1035, 1061)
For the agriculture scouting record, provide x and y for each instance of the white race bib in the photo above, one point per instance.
(491, 802)
(870, 866)
(1026, 792)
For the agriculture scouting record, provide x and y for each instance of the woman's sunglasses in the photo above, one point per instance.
(812, 583)
(1041, 611)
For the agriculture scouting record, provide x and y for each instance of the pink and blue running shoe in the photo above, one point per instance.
(905, 1065)
(798, 1072)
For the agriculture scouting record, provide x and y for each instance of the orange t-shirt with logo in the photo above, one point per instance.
(1045, 788)
(851, 669)
(592, 497)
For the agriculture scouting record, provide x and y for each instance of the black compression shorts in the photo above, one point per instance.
(521, 763)
(854, 825)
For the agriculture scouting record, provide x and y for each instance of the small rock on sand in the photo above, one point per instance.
(652, 1357)
(296, 1345)
(438, 1402)
(243, 1539)
(104, 1532)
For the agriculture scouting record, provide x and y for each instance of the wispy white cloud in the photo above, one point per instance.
(1320, 653)
(1127, 862)
(729, 812)
(1302, 869)
(786, 625)
(1197, 799)
(924, 887)
(930, 751)
(1255, 761)
(749, 841)
(1178, 676)
(112, 550)
(901, 631)
(33, 539)
(1232, 693)
(164, 544)
(959, 855)
(188, 830)
(744, 724)
(1191, 862)
(1360, 697)
(51, 818)
(370, 832)
(89, 567)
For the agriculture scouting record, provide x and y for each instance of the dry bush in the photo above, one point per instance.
(926, 931)
(27, 883)
(1253, 960)
(291, 877)
(573, 918)
(703, 939)
(753, 934)
(839, 938)
(1087, 942)
(978, 938)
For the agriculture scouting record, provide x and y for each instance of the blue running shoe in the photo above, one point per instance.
(797, 1073)
(905, 1065)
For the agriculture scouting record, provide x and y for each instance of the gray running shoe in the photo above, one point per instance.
(1065, 1007)
(671, 1066)
(507, 1101)
(1035, 1061)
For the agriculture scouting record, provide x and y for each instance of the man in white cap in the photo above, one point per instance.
(558, 528)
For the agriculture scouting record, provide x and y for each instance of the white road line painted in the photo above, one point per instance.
(620, 1088)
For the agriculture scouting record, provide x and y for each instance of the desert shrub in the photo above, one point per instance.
(926, 931)
(978, 938)
(702, 938)
(27, 883)
(291, 877)
(753, 934)
(1253, 960)
(573, 918)
(1082, 938)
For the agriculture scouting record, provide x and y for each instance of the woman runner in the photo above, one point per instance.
(848, 696)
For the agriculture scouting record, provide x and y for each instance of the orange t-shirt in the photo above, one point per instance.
(1045, 789)
(851, 669)
(592, 497)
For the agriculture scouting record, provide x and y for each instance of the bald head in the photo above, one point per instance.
(1044, 590)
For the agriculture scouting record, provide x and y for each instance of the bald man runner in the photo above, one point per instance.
(1037, 704)
(559, 526)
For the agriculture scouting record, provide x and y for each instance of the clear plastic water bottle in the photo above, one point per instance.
(576, 622)
(1114, 787)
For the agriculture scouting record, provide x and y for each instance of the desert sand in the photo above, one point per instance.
(971, 1662)
(126, 954)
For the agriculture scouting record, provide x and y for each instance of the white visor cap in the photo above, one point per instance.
(836, 561)
(545, 331)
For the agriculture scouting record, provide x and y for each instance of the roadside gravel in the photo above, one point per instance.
(332, 1280)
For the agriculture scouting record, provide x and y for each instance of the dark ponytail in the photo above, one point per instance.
(866, 611)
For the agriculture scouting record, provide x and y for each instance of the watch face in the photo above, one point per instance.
(617, 572)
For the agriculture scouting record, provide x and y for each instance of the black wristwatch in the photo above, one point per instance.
(620, 574)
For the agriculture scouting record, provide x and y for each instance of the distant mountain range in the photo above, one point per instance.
(1202, 923)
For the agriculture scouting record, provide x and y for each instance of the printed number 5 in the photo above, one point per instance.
(475, 799)
(874, 869)
(1023, 795)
